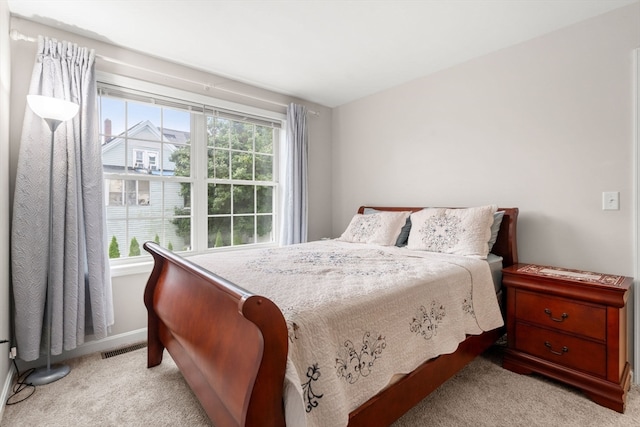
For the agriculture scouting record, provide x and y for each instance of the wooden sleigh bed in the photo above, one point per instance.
(231, 345)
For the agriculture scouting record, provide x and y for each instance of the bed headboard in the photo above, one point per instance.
(506, 245)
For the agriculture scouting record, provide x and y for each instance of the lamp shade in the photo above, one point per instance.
(52, 108)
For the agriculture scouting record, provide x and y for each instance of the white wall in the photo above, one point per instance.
(5, 78)
(546, 125)
(130, 313)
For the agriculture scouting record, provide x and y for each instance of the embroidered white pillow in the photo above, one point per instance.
(381, 228)
(452, 231)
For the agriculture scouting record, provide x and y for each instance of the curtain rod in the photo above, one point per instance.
(16, 35)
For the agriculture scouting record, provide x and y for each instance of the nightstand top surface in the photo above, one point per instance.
(571, 275)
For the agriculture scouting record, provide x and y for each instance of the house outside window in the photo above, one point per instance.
(144, 159)
(188, 176)
(130, 192)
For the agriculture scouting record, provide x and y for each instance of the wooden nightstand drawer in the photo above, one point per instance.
(562, 314)
(566, 350)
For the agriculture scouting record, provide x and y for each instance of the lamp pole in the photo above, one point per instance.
(54, 111)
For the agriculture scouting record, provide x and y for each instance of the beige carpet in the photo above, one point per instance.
(120, 391)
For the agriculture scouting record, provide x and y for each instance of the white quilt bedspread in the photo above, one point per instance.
(359, 314)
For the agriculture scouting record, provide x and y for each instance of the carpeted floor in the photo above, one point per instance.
(120, 391)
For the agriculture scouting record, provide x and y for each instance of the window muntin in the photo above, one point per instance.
(151, 177)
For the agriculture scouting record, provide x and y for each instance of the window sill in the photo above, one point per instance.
(144, 266)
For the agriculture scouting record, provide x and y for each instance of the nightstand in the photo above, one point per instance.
(569, 325)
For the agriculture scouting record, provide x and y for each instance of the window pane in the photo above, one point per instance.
(242, 165)
(165, 235)
(178, 233)
(114, 152)
(218, 164)
(169, 239)
(219, 199)
(179, 163)
(219, 232)
(243, 230)
(116, 218)
(242, 136)
(176, 126)
(264, 168)
(243, 199)
(143, 193)
(144, 120)
(218, 130)
(115, 192)
(264, 140)
(116, 232)
(111, 118)
(177, 197)
(130, 192)
(265, 228)
(177, 200)
(140, 231)
(264, 199)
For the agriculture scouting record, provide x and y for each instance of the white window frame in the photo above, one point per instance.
(199, 225)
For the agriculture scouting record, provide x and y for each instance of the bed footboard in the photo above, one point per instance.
(212, 328)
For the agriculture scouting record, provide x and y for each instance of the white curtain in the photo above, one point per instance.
(294, 212)
(80, 280)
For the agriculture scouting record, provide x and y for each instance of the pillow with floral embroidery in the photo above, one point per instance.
(452, 231)
(380, 228)
(401, 241)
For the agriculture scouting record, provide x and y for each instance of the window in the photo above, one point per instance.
(144, 159)
(188, 176)
(129, 192)
(151, 161)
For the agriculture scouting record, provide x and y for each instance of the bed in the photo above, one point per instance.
(232, 345)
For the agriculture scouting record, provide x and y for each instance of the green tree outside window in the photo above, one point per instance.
(241, 152)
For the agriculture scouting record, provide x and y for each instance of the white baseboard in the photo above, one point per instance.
(6, 389)
(106, 344)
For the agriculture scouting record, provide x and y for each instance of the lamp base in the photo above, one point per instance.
(46, 375)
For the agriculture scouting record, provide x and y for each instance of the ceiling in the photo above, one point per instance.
(328, 52)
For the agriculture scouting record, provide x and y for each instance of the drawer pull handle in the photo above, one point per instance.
(559, 353)
(555, 319)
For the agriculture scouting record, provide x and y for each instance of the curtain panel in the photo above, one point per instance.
(294, 213)
(79, 270)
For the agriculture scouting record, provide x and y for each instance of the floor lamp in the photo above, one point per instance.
(54, 111)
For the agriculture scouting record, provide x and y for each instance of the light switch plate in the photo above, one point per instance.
(611, 200)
